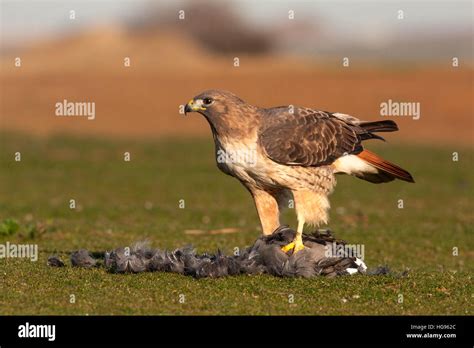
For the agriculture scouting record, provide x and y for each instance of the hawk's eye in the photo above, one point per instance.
(207, 101)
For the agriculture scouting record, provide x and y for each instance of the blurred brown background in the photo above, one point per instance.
(282, 61)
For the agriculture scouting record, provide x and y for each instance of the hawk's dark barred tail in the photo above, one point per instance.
(387, 170)
(379, 126)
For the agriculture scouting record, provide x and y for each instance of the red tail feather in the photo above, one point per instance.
(385, 166)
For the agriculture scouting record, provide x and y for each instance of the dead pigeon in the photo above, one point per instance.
(265, 256)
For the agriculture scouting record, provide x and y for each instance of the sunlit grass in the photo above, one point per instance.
(119, 202)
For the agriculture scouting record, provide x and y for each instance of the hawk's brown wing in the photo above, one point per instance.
(307, 137)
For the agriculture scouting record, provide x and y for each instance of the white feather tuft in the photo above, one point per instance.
(353, 165)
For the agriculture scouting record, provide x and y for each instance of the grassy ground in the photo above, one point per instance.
(121, 202)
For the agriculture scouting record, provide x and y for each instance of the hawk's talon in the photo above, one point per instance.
(295, 246)
(288, 247)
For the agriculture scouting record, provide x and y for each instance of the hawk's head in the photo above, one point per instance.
(216, 105)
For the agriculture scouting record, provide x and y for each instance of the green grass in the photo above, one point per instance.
(111, 195)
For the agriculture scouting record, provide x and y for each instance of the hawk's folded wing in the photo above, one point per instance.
(308, 137)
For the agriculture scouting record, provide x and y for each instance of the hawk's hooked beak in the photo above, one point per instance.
(194, 105)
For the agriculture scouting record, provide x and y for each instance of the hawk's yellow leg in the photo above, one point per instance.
(297, 243)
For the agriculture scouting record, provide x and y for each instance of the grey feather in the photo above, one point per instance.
(55, 261)
(82, 258)
(263, 257)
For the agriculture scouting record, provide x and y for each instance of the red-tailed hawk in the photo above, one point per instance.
(288, 152)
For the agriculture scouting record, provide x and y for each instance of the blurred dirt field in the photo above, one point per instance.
(142, 101)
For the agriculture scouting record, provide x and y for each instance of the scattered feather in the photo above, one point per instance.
(263, 257)
(55, 261)
(82, 258)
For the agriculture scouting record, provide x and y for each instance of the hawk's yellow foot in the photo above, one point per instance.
(296, 245)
